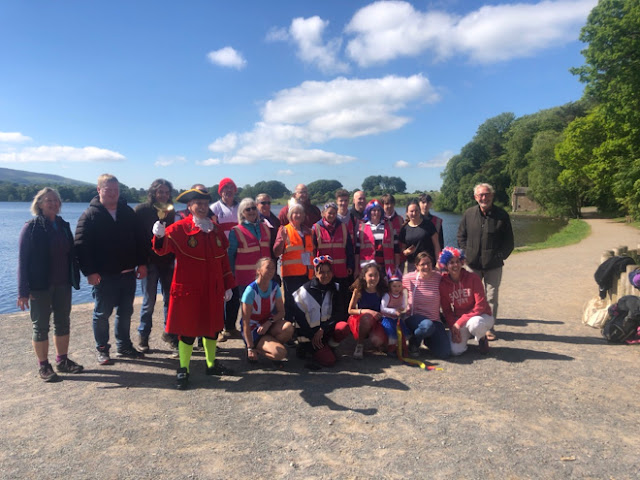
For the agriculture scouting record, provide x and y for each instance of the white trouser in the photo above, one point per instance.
(477, 327)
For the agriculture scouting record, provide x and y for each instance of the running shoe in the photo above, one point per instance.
(47, 374)
(69, 366)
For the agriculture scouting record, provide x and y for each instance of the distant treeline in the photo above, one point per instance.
(582, 153)
(320, 191)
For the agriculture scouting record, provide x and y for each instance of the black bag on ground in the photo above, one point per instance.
(625, 319)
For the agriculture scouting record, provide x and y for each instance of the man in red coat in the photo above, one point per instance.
(202, 281)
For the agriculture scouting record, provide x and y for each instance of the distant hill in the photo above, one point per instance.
(31, 178)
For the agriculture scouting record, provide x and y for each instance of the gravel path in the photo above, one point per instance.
(552, 400)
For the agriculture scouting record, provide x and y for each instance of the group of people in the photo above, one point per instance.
(364, 272)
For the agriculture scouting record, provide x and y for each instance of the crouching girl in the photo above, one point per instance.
(364, 309)
(320, 317)
(464, 304)
(263, 327)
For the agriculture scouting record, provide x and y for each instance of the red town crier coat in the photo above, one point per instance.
(201, 276)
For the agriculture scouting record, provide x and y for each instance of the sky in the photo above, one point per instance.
(288, 90)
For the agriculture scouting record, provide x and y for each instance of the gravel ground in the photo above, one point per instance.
(552, 400)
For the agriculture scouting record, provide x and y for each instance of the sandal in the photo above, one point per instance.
(491, 335)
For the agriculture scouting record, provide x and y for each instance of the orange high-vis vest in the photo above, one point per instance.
(335, 246)
(292, 257)
(250, 250)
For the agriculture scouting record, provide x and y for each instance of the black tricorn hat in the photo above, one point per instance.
(193, 194)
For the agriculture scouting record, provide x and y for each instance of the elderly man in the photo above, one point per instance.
(111, 250)
(201, 283)
(311, 212)
(486, 236)
(359, 202)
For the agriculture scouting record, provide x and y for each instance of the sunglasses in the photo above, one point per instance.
(250, 209)
(264, 203)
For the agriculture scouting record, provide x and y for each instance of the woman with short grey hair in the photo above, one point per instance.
(46, 272)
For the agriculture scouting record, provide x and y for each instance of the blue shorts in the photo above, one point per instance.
(390, 328)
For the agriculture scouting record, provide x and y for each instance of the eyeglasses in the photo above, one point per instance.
(264, 203)
(251, 209)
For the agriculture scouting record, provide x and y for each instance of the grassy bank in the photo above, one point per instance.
(575, 231)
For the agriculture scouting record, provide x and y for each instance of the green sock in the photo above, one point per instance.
(185, 350)
(210, 350)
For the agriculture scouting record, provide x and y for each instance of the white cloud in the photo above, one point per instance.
(168, 161)
(58, 154)
(277, 34)
(315, 112)
(13, 137)
(287, 172)
(401, 164)
(224, 144)
(227, 57)
(307, 33)
(209, 162)
(438, 161)
(385, 30)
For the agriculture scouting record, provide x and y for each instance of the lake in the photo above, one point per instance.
(13, 215)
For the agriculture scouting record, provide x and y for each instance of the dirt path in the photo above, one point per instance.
(551, 401)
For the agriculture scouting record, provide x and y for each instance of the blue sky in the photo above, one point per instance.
(294, 91)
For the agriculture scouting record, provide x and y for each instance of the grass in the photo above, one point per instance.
(575, 231)
(634, 224)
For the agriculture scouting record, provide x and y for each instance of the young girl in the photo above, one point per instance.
(263, 327)
(393, 306)
(364, 309)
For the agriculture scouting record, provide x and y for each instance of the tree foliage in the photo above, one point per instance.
(274, 188)
(380, 184)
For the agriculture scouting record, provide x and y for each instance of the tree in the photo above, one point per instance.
(379, 184)
(611, 75)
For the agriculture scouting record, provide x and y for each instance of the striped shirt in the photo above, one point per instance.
(423, 295)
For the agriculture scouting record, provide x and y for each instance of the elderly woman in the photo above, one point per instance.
(418, 235)
(202, 281)
(294, 242)
(423, 303)
(248, 243)
(46, 272)
(464, 304)
(330, 237)
(263, 327)
(376, 240)
(320, 315)
(158, 206)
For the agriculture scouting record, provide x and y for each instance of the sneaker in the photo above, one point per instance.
(182, 379)
(47, 374)
(103, 357)
(143, 344)
(358, 353)
(223, 337)
(69, 366)
(483, 345)
(218, 369)
(129, 352)
(414, 347)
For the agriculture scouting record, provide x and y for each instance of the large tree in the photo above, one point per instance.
(612, 77)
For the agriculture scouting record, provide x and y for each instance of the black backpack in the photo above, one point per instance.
(625, 319)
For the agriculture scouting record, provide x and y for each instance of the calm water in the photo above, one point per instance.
(13, 215)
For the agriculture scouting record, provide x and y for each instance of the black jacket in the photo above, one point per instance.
(148, 216)
(35, 256)
(487, 240)
(108, 246)
(609, 271)
(317, 292)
